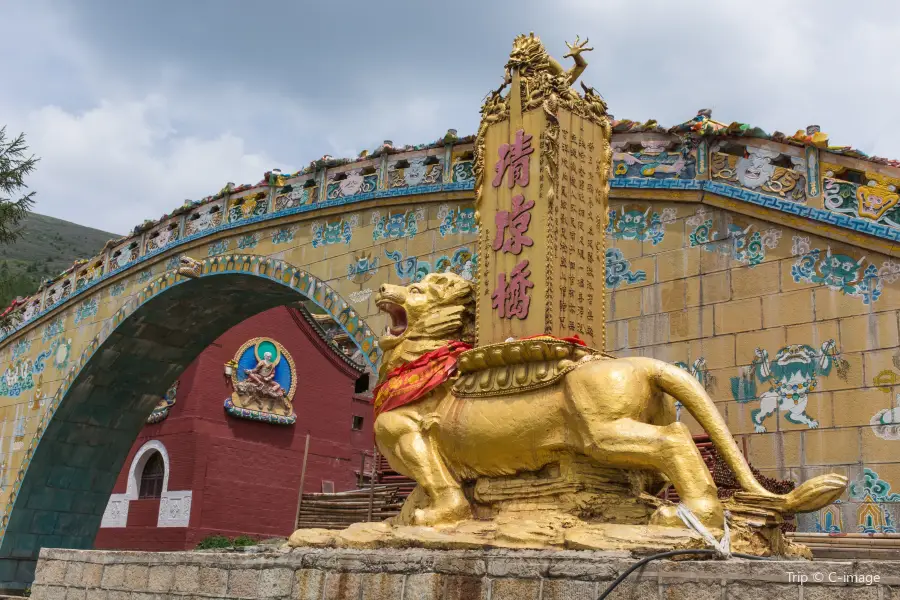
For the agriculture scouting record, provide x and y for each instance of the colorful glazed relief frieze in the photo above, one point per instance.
(456, 220)
(791, 375)
(145, 276)
(655, 159)
(618, 270)
(161, 410)
(116, 289)
(639, 223)
(333, 232)
(461, 168)
(362, 268)
(161, 237)
(31, 309)
(59, 292)
(294, 195)
(812, 171)
(413, 172)
(840, 272)
(872, 515)
(87, 274)
(741, 243)
(123, 256)
(757, 170)
(246, 207)
(264, 380)
(203, 219)
(396, 226)
(876, 200)
(351, 183)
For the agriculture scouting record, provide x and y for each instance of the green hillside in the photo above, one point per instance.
(48, 247)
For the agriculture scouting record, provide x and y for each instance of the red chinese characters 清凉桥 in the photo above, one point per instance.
(510, 297)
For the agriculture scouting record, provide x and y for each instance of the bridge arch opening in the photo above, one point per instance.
(62, 491)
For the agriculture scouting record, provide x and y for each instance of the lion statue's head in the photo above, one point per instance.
(425, 316)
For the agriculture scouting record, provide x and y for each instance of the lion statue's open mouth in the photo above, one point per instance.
(397, 314)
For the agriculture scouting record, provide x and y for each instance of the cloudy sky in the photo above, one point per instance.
(135, 106)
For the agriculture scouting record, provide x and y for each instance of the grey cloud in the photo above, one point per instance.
(282, 82)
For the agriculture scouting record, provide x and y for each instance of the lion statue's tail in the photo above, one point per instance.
(811, 495)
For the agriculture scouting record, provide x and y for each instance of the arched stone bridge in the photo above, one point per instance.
(90, 354)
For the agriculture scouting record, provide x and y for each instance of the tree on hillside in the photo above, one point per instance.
(15, 204)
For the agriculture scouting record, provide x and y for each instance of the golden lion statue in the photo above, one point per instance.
(618, 413)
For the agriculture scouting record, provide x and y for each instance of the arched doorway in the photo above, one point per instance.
(62, 492)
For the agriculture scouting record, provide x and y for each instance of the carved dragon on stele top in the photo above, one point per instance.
(544, 442)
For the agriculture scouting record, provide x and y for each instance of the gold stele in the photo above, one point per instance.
(540, 443)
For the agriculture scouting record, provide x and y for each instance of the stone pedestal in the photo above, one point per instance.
(391, 574)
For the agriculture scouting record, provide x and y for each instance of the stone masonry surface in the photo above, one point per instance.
(412, 574)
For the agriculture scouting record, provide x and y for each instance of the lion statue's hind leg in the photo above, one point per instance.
(670, 450)
(599, 395)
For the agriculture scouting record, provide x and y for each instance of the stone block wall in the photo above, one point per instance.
(444, 575)
(795, 337)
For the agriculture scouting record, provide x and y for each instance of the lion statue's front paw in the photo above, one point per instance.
(449, 510)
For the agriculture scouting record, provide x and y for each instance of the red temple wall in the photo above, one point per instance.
(244, 476)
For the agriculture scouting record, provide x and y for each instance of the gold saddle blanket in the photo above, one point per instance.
(518, 366)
